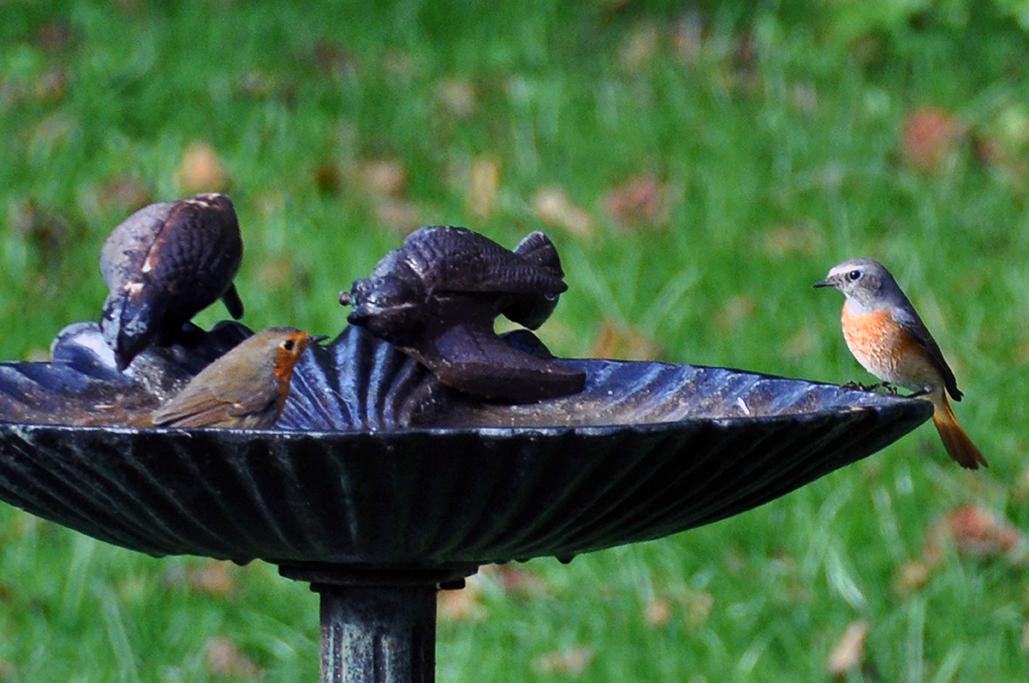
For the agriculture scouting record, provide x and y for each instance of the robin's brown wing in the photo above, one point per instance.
(201, 407)
(910, 321)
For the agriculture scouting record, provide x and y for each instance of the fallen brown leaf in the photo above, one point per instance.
(399, 215)
(640, 201)
(911, 577)
(46, 232)
(327, 178)
(552, 206)
(849, 652)
(688, 33)
(625, 343)
(735, 311)
(800, 343)
(51, 86)
(571, 662)
(1025, 637)
(462, 605)
(788, 241)
(226, 660)
(657, 612)
(483, 186)
(458, 96)
(928, 137)
(54, 36)
(384, 177)
(214, 578)
(332, 59)
(971, 530)
(698, 607)
(201, 170)
(639, 46)
(124, 194)
(520, 582)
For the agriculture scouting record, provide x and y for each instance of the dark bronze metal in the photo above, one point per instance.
(436, 298)
(163, 265)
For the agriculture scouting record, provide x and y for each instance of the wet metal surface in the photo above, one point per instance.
(387, 491)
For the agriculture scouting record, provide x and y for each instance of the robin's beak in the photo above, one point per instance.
(822, 283)
(318, 338)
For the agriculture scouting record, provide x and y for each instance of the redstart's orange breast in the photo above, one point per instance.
(889, 339)
(245, 388)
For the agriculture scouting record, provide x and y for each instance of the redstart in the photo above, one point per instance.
(887, 337)
(245, 389)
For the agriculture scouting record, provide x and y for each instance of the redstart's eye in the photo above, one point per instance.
(288, 344)
(854, 275)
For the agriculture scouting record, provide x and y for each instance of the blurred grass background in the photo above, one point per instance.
(698, 164)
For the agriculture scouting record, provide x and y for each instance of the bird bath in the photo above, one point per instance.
(379, 485)
(397, 469)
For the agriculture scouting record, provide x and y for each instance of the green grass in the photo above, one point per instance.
(777, 169)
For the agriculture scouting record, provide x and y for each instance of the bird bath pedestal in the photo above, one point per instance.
(378, 485)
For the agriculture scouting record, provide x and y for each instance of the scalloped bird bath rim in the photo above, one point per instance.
(431, 497)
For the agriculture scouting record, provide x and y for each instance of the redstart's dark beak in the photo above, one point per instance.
(822, 283)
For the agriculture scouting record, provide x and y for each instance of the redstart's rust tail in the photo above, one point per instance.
(957, 443)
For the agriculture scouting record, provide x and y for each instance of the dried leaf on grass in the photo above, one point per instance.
(458, 96)
(483, 186)
(124, 194)
(849, 652)
(639, 46)
(625, 343)
(384, 177)
(735, 311)
(552, 206)
(327, 178)
(571, 662)
(226, 660)
(462, 605)
(789, 241)
(51, 86)
(688, 35)
(640, 201)
(55, 36)
(213, 577)
(657, 612)
(201, 169)
(929, 135)
(519, 581)
(399, 215)
(910, 578)
(972, 531)
(800, 343)
(1025, 637)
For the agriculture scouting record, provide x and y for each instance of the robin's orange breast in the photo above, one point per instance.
(886, 349)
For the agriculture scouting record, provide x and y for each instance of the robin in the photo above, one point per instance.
(244, 389)
(887, 337)
(163, 265)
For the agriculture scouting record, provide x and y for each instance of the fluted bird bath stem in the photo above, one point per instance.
(377, 627)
